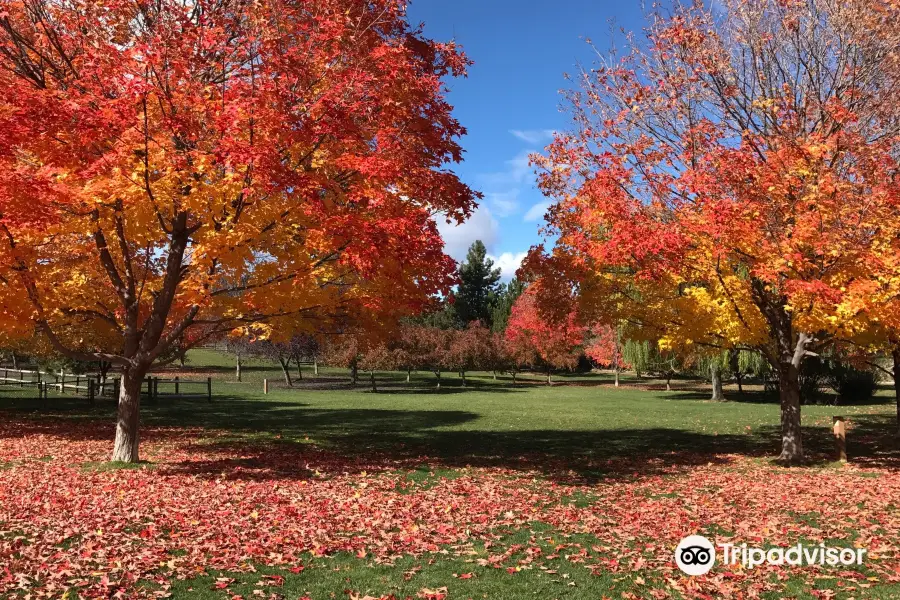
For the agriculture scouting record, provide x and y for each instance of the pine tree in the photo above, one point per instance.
(477, 286)
(506, 296)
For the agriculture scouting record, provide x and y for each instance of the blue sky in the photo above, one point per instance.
(510, 102)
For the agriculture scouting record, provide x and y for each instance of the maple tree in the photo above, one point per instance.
(726, 183)
(531, 333)
(167, 166)
(605, 347)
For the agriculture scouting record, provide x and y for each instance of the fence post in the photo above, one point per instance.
(176, 385)
(90, 384)
(156, 388)
(265, 386)
(209, 389)
(62, 381)
(840, 438)
(21, 378)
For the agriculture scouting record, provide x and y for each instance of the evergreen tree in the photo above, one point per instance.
(506, 296)
(477, 286)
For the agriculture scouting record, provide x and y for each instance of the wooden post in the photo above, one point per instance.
(62, 381)
(90, 385)
(840, 438)
(149, 388)
(21, 377)
(209, 389)
(265, 386)
(155, 381)
(176, 385)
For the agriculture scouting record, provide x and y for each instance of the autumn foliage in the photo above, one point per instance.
(168, 166)
(537, 337)
(721, 190)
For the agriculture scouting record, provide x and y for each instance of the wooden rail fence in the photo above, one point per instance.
(93, 387)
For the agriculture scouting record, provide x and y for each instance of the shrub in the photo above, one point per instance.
(814, 378)
(852, 384)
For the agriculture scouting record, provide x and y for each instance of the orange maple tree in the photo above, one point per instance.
(726, 182)
(167, 166)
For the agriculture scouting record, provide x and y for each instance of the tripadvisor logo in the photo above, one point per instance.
(696, 555)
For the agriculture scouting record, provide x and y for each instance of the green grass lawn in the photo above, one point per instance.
(580, 417)
(582, 433)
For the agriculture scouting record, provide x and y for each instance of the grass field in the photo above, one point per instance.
(496, 490)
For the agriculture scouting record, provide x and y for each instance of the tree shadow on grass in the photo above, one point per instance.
(766, 397)
(372, 439)
(269, 439)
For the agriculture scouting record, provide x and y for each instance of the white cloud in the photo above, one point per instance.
(536, 212)
(508, 263)
(533, 136)
(518, 170)
(481, 226)
(503, 203)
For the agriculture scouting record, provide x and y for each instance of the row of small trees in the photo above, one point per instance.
(426, 348)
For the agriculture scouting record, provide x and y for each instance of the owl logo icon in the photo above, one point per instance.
(695, 555)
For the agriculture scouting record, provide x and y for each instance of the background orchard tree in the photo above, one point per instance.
(167, 165)
(439, 357)
(726, 180)
(378, 356)
(343, 351)
(470, 348)
(413, 348)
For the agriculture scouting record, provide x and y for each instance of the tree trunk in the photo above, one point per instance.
(738, 376)
(316, 366)
(549, 377)
(716, 375)
(789, 391)
(372, 376)
(668, 382)
(895, 353)
(408, 375)
(354, 373)
(438, 373)
(237, 367)
(15, 361)
(125, 448)
(287, 373)
(105, 366)
(463, 375)
(514, 377)
(617, 377)
(299, 370)
(495, 375)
